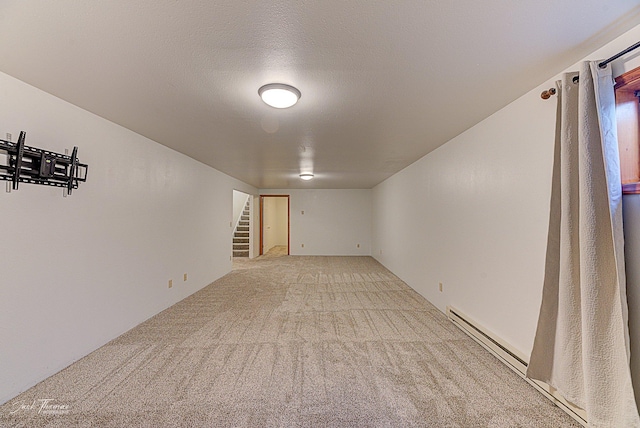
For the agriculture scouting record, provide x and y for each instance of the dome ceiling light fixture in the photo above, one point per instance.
(306, 176)
(279, 95)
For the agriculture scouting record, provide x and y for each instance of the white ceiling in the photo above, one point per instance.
(383, 82)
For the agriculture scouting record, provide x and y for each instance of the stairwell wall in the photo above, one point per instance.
(239, 201)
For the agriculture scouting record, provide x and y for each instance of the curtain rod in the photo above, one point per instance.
(552, 91)
(604, 63)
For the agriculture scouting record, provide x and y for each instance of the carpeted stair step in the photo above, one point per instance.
(241, 234)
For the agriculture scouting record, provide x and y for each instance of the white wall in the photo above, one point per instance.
(334, 221)
(474, 214)
(79, 271)
(275, 222)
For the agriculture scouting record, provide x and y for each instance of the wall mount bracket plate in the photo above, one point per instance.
(25, 164)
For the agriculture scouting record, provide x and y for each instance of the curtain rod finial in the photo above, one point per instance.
(545, 95)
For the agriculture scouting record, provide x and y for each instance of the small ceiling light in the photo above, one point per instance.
(306, 176)
(279, 95)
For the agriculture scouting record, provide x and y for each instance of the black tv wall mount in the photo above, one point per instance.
(26, 164)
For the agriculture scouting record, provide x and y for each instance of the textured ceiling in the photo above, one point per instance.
(383, 83)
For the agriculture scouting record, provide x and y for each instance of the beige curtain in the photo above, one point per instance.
(581, 346)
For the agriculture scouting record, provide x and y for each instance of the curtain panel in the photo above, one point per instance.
(581, 346)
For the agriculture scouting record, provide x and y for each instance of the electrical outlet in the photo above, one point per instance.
(302, 245)
(185, 277)
(8, 136)
(440, 286)
(170, 283)
(358, 245)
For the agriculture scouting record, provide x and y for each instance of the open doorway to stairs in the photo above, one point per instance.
(274, 224)
(242, 225)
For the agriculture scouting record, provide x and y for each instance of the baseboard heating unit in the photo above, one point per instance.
(513, 359)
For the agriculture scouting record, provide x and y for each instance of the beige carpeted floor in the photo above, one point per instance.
(288, 341)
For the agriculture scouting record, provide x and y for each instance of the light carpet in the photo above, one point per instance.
(291, 341)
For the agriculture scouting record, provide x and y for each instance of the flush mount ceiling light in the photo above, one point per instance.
(306, 176)
(279, 95)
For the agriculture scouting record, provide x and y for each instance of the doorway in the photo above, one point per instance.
(274, 223)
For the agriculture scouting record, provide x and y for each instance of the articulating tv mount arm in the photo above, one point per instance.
(37, 166)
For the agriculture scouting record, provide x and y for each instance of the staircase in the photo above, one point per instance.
(241, 234)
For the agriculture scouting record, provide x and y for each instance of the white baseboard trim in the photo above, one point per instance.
(512, 359)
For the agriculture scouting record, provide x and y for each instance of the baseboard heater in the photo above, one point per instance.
(514, 360)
